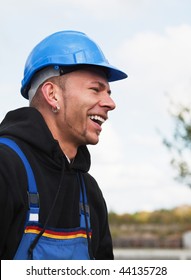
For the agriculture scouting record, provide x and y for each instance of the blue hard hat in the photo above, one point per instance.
(66, 48)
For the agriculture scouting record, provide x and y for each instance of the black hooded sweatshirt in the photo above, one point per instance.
(28, 129)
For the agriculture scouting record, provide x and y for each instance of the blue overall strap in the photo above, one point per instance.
(32, 188)
(84, 213)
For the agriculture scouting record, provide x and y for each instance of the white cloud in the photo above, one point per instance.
(159, 62)
(110, 146)
(156, 64)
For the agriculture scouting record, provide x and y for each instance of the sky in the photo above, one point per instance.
(150, 40)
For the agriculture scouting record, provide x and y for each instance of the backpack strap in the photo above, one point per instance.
(33, 196)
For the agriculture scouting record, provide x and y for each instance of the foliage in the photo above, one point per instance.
(180, 215)
(180, 144)
(157, 229)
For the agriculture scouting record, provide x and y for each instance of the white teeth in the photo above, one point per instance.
(96, 117)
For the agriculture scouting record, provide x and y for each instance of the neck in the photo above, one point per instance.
(68, 146)
(69, 150)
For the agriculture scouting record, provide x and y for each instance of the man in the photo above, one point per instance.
(64, 215)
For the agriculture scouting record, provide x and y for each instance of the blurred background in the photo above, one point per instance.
(142, 160)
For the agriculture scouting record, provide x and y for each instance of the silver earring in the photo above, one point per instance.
(56, 109)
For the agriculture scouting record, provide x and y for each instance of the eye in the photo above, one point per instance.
(96, 89)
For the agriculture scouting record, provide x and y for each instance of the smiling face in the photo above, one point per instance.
(84, 106)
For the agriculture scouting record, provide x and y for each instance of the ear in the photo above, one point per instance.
(49, 91)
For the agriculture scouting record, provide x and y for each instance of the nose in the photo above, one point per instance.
(108, 102)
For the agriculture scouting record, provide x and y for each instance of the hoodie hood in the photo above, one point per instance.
(28, 125)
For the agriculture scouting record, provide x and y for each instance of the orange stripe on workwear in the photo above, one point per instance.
(57, 235)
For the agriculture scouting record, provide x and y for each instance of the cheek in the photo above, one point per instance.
(76, 116)
(76, 111)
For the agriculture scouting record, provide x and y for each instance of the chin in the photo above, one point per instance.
(93, 141)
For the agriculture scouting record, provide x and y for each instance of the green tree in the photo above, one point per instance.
(180, 144)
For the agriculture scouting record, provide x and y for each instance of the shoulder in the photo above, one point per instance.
(13, 177)
(9, 158)
(95, 195)
(91, 184)
(12, 172)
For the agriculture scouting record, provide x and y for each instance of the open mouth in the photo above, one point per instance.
(97, 119)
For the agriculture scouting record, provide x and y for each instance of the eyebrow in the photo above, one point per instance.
(101, 85)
